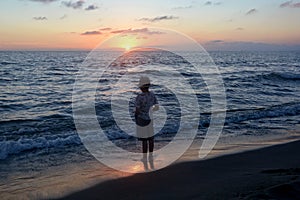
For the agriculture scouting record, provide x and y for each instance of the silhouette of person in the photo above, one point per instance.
(145, 104)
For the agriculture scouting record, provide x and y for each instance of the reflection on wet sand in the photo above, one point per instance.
(145, 164)
(145, 160)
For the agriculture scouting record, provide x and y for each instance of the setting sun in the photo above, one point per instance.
(128, 42)
(125, 42)
(127, 48)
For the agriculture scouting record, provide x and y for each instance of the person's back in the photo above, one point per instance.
(145, 103)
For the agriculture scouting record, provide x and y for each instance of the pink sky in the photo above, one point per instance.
(84, 24)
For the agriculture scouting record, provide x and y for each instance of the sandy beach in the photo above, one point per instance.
(267, 173)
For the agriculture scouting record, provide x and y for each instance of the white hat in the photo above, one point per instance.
(144, 80)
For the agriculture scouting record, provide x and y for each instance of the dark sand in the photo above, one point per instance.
(267, 173)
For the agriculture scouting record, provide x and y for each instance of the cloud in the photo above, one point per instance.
(119, 31)
(91, 7)
(40, 18)
(252, 11)
(159, 18)
(208, 3)
(142, 38)
(63, 17)
(239, 29)
(289, 4)
(105, 29)
(91, 33)
(79, 5)
(286, 4)
(182, 7)
(43, 1)
(145, 31)
(216, 41)
(74, 5)
(136, 31)
(296, 5)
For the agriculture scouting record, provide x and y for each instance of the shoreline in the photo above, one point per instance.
(266, 172)
(228, 145)
(59, 181)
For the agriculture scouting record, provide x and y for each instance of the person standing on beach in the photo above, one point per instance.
(145, 104)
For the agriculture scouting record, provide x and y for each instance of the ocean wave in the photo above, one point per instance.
(7, 63)
(271, 76)
(281, 76)
(27, 144)
(241, 115)
(289, 109)
(36, 104)
(23, 144)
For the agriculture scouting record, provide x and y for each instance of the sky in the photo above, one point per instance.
(84, 24)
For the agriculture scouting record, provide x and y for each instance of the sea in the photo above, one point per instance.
(37, 129)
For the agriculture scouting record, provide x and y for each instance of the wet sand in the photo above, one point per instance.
(267, 173)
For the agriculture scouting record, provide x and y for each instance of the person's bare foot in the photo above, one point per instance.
(151, 161)
(145, 162)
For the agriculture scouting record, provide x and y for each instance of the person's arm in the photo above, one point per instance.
(155, 107)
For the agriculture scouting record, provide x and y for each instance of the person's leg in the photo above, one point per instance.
(144, 158)
(151, 144)
(145, 146)
(151, 147)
